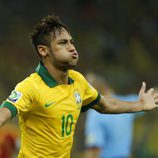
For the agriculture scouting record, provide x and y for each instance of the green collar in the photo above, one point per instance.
(47, 78)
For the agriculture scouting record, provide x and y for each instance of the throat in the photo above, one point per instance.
(61, 76)
(62, 80)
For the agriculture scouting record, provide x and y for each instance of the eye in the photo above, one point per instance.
(62, 42)
(72, 42)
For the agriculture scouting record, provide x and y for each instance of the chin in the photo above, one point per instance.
(72, 64)
(68, 67)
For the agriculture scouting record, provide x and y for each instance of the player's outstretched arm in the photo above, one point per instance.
(5, 115)
(147, 101)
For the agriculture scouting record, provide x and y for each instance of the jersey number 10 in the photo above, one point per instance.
(67, 122)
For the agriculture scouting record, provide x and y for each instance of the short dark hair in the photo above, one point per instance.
(42, 32)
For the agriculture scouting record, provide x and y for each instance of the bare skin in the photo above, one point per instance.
(5, 115)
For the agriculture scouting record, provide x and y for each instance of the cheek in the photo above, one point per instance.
(61, 55)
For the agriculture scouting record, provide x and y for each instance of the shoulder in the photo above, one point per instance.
(27, 88)
(29, 82)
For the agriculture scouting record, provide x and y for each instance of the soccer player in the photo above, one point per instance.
(113, 137)
(49, 101)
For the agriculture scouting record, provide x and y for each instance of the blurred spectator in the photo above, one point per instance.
(9, 135)
(108, 136)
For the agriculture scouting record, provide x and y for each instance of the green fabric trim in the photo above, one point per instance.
(11, 107)
(86, 107)
(47, 78)
(70, 80)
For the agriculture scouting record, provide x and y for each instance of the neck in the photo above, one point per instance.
(60, 76)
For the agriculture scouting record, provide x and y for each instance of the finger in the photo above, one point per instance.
(156, 101)
(155, 96)
(143, 87)
(150, 91)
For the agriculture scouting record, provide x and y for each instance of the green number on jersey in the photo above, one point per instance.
(67, 122)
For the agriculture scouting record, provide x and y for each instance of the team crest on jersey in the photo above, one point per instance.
(14, 96)
(77, 97)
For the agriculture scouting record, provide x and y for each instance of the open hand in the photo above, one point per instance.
(148, 99)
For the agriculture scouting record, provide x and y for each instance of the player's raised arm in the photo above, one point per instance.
(5, 115)
(147, 101)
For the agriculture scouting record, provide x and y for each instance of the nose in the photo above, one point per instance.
(71, 47)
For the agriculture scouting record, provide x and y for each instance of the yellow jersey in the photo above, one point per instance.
(48, 112)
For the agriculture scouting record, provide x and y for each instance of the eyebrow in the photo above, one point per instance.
(65, 40)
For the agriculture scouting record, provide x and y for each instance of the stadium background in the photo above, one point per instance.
(117, 39)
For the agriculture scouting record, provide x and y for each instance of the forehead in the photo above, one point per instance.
(61, 34)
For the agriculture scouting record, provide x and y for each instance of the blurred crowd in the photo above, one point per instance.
(9, 140)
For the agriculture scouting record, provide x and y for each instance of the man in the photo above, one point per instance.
(49, 101)
(108, 136)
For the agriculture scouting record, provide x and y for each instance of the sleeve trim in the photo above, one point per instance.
(11, 107)
(86, 107)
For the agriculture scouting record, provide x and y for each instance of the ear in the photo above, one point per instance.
(43, 50)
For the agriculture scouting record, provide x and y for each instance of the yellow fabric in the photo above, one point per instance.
(48, 115)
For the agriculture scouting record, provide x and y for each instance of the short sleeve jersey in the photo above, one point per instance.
(48, 112)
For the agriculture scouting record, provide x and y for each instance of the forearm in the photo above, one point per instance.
(112, 105)
(5, 115)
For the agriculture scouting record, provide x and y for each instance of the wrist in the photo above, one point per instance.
(142, 106)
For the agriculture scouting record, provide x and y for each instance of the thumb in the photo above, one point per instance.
(142, 90)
